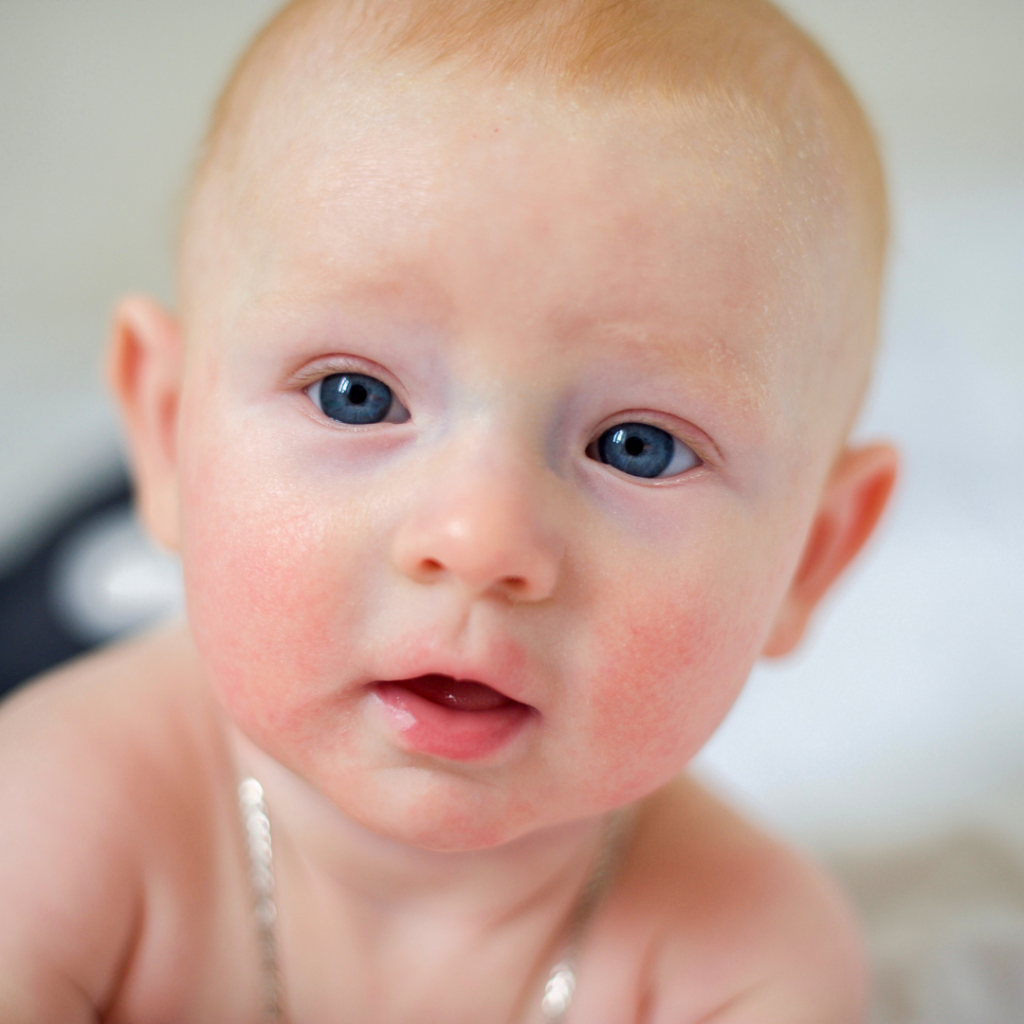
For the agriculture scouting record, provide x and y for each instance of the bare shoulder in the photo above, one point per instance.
(100, 766)
(726, 925)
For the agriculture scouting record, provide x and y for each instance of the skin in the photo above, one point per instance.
(523, 277)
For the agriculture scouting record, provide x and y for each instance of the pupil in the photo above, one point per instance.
(357, 394)
(634, 446)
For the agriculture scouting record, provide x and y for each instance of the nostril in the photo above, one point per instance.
(515, 583)
(431, 565)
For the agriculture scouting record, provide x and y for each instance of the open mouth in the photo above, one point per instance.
(456, 719)
(459, 694)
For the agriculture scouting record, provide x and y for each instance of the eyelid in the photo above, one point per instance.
(327, 366)
(702, 444)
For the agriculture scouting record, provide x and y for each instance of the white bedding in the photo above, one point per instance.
(944, 920)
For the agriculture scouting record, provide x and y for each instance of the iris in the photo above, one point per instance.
(637, 449)
(355, 398)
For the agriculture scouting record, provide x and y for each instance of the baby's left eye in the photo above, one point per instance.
(644, 451)
(357, 399)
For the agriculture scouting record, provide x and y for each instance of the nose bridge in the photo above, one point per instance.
(481, 516)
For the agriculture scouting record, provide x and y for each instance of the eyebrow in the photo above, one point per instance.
(654, 343)
(366, 287)
(658, 344)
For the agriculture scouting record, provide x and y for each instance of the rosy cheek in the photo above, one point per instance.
(261, 598)
(665, 674)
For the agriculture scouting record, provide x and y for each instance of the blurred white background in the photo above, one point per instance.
(907, 704)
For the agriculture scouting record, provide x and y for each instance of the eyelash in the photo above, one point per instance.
(306, 378)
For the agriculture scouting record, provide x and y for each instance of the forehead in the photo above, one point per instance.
(671, 234)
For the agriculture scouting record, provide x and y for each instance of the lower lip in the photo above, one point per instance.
(439, 731)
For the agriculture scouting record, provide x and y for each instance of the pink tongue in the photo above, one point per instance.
(460, 694)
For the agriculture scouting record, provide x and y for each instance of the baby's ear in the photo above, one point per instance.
(144, 371)
(853, 499)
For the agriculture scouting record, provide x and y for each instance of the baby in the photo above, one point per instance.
(501, 428)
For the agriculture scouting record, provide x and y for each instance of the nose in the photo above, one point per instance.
(481, 525)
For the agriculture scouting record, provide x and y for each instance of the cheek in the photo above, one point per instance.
(262, 581)
(253, 605)
(666, 666)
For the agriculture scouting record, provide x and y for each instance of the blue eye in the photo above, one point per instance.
(357, 399)
(645, 451)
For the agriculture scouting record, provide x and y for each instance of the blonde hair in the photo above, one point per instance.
(743, 54)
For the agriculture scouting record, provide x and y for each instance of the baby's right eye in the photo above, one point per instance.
(357, 399)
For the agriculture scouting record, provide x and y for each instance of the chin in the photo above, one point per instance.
(433, 810)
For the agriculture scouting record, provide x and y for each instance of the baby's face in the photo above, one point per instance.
(500, 395)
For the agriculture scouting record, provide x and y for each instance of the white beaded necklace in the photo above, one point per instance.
(561, 983)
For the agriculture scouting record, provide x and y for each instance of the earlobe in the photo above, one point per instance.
(852, 502)
(144, 369)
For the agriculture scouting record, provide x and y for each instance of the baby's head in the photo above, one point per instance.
(518, 344)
